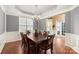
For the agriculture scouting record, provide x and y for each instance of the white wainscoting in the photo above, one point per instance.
(2, 41)
(8, 37)
(72, 40)
(12, 36)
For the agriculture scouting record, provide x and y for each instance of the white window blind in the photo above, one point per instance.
(29, 24)
(25, 24)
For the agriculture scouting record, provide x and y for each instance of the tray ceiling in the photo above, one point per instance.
(35, 9)
(43, 11)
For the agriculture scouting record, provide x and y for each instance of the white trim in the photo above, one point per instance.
(2, 41)
(12, 36)
(5, 22)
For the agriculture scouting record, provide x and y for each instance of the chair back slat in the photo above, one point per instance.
(24, 41)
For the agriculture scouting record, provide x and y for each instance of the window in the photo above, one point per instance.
(25, 24)
(22, 24)
(59, 28)
(29, 24)
(49, 25)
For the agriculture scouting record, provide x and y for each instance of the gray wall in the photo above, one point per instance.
(75, 20)
(72, 21)
(35, 25)
(41, 24)
(12, 23)
(2, 21)
(68, 22)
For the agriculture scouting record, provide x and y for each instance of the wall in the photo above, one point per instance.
(75, 21)
(35, 24)
(68, 22)
(72, 29)
(72, 21)
(42, 24)
(2, 21)
(12, 23)
(2, 29)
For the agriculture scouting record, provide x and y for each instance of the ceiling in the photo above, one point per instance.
(43, 11)
(35, 9)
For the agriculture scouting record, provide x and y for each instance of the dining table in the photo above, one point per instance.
(37, 39)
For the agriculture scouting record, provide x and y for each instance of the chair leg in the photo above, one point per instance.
(51, 49)
(21, 45)
(24, 46)
(45, 51)
(37, 50)
(28, 50)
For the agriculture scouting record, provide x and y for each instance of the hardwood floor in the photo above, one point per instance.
(15, 48)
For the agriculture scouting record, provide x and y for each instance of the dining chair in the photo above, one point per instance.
(36, 33)
(31, 45)
(24, 41)
(40, 33)
(45, 33)
(28, 32)
(46, 44)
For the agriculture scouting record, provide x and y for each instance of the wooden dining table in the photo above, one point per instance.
(36, 39)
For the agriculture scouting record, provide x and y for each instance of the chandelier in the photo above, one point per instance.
(36, 16)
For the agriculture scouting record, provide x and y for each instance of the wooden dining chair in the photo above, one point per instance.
(45, 33)
(36, 33)
(40, 33)
(50, 39)
(31, 45)
(46, 44)
(28, 32)
(24, 41)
